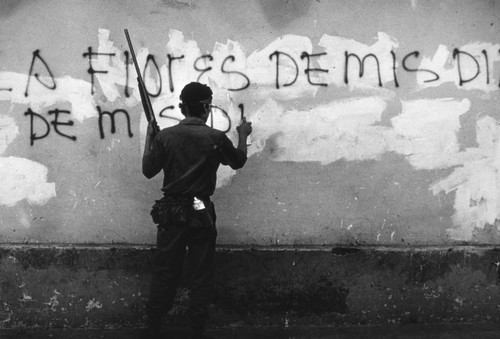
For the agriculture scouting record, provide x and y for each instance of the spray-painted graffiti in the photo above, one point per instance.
(36, 56)
(285, 60)
(267, 87)
(46, 126)
(281, 60)
(41, 127)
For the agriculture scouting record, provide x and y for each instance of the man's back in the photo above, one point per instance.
(190, 154)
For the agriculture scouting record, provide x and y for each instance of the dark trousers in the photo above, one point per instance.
(172, 241)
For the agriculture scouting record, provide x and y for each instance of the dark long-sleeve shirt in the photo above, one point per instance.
(190, 154)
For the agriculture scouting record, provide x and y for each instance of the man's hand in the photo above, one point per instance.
(245, 128)
(150, 136)
(152, 128)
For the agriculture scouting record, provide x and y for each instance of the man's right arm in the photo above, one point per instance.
(236, 157)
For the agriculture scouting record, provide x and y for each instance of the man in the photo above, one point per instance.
(189, 155)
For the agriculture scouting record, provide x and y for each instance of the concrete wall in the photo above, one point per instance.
(403, 155)
(387, 159)
(107, 287)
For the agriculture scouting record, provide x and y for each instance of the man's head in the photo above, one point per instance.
(196, 99)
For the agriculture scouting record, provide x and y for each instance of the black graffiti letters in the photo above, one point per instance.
(487, 66)
(242, 111)
(151, 59)
(308, 70)
(113, 124)
(471, 66)
(170, 77)
(202, 70)
(40, 126)
(46, 126)
(456, 55)
(36, 56)
(57, 123)
(406, 68)
(224, 114)
(127, 72)
(91, 69)
(33, 135)
(396, 83)
(361, 63)
(165, 115)
(247, 81)
(277, 55)
(223, 124)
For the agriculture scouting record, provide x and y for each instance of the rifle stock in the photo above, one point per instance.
(146, 102)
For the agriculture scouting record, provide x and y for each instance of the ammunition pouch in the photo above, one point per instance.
(179, 211)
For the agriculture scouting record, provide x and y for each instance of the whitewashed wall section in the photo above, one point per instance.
(278, 86)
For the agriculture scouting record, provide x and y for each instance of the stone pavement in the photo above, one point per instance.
(410, 331)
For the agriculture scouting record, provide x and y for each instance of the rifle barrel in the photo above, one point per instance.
(132, 53)
(146, 103)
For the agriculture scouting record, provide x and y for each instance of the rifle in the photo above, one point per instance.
(146, 103)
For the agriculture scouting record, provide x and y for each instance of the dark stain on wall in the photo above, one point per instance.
(274, 283)
(178, 4)
(8, 7)
(280, 13)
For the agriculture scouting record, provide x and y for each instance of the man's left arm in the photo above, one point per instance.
(151, 164)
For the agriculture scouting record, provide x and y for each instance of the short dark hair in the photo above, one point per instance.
(195, 95)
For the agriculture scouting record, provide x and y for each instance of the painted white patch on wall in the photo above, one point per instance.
(21, 178)
(476, 182)
(342, 129)
(8, 132)
(24, 179)
(113, 65)
(68, 90)
(427, 131)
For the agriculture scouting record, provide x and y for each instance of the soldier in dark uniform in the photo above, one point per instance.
(189, 155)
